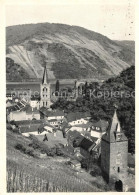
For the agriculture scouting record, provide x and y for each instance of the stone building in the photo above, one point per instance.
(114, 155)
(45, 91)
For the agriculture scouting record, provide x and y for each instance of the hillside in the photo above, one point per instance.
(26, 173)
(70, 52)
(118, 91)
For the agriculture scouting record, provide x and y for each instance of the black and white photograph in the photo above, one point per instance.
(70, 96)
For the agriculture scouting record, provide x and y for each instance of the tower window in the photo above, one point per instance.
(44, 89)
(119, 137)
(118, 170)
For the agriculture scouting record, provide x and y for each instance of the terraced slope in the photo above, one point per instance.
(69, 51)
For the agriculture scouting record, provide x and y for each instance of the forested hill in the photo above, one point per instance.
(72, 52)
(119, 91)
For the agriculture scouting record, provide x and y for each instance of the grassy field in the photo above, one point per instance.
(50, 174)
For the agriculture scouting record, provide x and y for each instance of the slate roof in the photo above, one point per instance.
(29, 110)
(53, 113)
(103, 124)
(34, 98)
(29, 128)
(72, 135)
(27, 122)
(87, 125)
(12, 108)
(86, 144)
(77, 115)
(113, 130)
(53, 120)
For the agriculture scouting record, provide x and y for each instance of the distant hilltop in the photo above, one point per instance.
(70, 52)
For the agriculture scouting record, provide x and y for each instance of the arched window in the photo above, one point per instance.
(45, 89)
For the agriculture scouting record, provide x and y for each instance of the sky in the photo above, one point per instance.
(112, 18)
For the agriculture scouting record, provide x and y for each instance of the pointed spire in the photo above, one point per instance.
(45, 76)
(115, 124)
(114, 129)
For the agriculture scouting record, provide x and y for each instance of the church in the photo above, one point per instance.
(45, 91)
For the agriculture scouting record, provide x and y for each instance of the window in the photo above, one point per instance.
(118, 169)
(44, 89)
(119, 136)
(118, 158)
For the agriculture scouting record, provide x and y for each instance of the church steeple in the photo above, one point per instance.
(45, 76)
(114, 131)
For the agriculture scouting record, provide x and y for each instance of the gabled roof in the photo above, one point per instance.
(52, 120)
(102, 124)
(113, 130)
(27, 122)
(73, 116)
(86, 143)
(29, 128)
(30, 110)
(54, 113)
(72, 135)
(12, 108)
(87, 125)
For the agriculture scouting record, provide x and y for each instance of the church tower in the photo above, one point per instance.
(45, 91)
(114, 155)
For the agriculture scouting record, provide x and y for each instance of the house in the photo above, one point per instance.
(17, 115)
(86, 146)
(77, 118)
(54, 114)
(82, 127)
(55, 122)
(99, 128)
(74, 135)
(27, 127)
(27, 113)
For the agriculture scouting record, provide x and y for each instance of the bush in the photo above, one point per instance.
(96, 172)
(29, 151)
(19, 147)
(26, 150)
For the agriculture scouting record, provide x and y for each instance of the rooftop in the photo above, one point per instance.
(114, 132)
(77, 115)
(27, 122)
(30, 110)
(53, 113)
(102, 124)
(86, 143)
(29, 128)
(87, 125)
